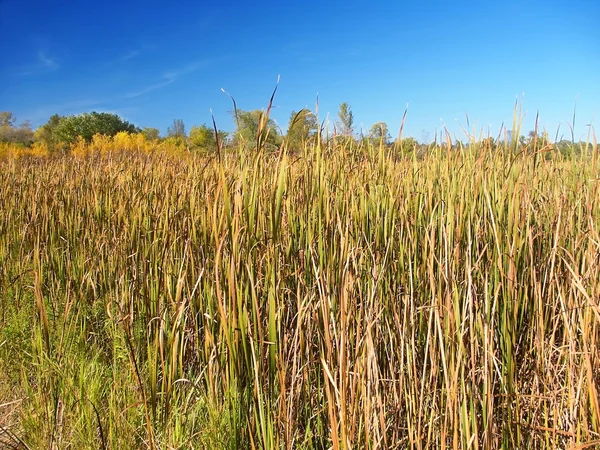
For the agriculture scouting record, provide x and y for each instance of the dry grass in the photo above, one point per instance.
(337, 298)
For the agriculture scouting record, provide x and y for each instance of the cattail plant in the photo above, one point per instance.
(346, 296)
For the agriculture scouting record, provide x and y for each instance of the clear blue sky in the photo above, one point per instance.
(152, 62)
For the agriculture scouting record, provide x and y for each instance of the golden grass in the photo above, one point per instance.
(336, 298)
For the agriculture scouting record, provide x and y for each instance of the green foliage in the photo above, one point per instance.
(489, 143)
(346, 117)
(379, 133)
(249, 124)
(303, 125)
(406, 146)
(151, 134)
(537, 141)
(69, 128)
(570, 149)
(47, 132)
(203, 138)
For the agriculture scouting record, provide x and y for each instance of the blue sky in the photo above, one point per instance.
(154, 61)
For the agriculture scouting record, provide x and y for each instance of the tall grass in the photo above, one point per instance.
(333, 298)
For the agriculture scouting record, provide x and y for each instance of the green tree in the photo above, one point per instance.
(47, 132)
(346, 119)
(203, 138)
(407, 146)
(537, 141)
(249, 124)
(379, 133)
(489, 143)
(151, 134)
(303, 125)
(86, 125)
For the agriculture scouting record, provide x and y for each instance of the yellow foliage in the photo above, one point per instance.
(39, 149)
(122, 142)
(102, 144)
(79, 148)
(15, 151)
(174, 146)
(4, 150)
(141, 143)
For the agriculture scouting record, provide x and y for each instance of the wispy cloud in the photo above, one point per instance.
(47, 61)
(124, 113)
(41, 114)
(170, 77)
(77, 105)
(134, 51)
(130, 55)
(189, 68)
(150, 88)
(44, 64)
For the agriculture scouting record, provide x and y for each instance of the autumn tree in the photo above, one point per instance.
(7, 119)
(177, 130)
(21, 134)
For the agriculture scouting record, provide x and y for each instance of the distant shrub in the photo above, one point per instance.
(87, 125)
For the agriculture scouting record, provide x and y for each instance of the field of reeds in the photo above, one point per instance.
(341, 297)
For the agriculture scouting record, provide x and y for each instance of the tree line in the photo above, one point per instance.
(253, 129)
(65, 130)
